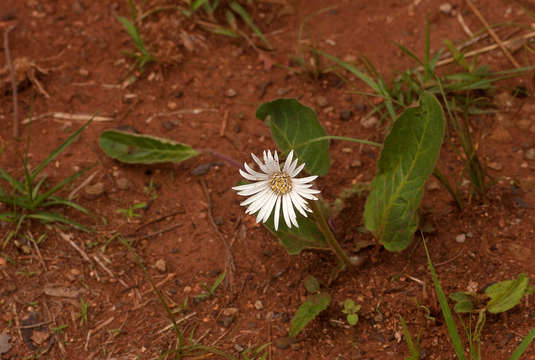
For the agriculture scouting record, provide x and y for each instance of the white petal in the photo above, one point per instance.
(251, 189)
(298, 202)
(255, 197)
(268, 207)
(303, 190)
(286, 211)
(304, 180)
(295, 171)
(288, 162)
(292, 215)
(261, 165)
(277, 212)
(252, 175)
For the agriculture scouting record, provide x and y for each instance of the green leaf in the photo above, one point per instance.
(407, 160)
(143, 149)
(311, 284)
(352, 319)
(464, 302)
(313, 305)
(446, 312)
(507, 294)
(237, 8)
(296, 239)
(293, 126)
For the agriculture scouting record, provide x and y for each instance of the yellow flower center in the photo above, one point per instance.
(281, 183)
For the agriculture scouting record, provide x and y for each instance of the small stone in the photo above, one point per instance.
(350, 58)
(282, 91)
(95, 189)
(83, 72)
(171, 105)
(168, 125)
(346, 115)
(347, 150)
(446, 8)
(258, 305)
(322, 101)
(530, 154)
(123, 183)
(369, 122)
(3, 263)
(495, 166)
(284, 342)
(356, 164)
(504, 100)
(433, 185)
(75, 272)
(230, 311)
(201, 169)
(226, 321)
(461, 238)
(230, 93)
(238, 348)
(501, 134)
(161, 265)
(129, 98)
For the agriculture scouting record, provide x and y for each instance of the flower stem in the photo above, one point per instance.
(329, 236)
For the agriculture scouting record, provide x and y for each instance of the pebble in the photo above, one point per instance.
(258, 305)
(433, 185)
(346, 115)
(226, 321)
(122, 183)
(83, 72)
(3, 263)
(445, 8)
(129, 98)
(356, 164)
(504, 100)
(530, 154)
(161, 265)
(501, 134)
(168, 125)
(350, 58)
(461, 238)
(171, 105)
(201, 169)
(347, 150)
(284, 342)
(230, 93)
(95, 189)
(238, 348)
(369, 122)
(495, 166)
(282, 91)
(322, 101)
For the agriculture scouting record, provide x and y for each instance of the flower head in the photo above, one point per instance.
(276, 188)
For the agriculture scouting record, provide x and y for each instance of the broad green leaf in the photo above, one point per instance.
(306, 236)
(313, 305)
(407, 160)
(311, 284)
(295, 126)
(143, 149)
(464, 302)
(507, 294)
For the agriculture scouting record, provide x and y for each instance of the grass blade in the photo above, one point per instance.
(413, 349)
(448, 317)
(12, 181)
(49, 217)
(523, 346)
(238, 9)
(56, 152)
(56, 188)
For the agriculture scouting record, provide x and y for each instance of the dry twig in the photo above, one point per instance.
(68, 239)
(493, 34)
(110, 273)
(66, 116)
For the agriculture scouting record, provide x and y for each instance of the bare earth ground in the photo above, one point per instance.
(79, 42)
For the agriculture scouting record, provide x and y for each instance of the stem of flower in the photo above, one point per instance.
(333, 137)
(223, 157)
(329, 236)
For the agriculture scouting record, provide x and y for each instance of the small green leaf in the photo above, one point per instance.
(313, 305)
(311, 284)
(352, 319)
(507, 294)
(296, 239)
(293, 126)
(143, 149)
(407, 160)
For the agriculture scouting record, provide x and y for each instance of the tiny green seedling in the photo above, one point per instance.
(352, 312)
(130, 212)
(414, 347)
(60, 329)
(142, 57)
(259, 353)
(210, 291)
(29, 201)
(83, 312)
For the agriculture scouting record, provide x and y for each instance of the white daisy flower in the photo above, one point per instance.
(273, 188)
